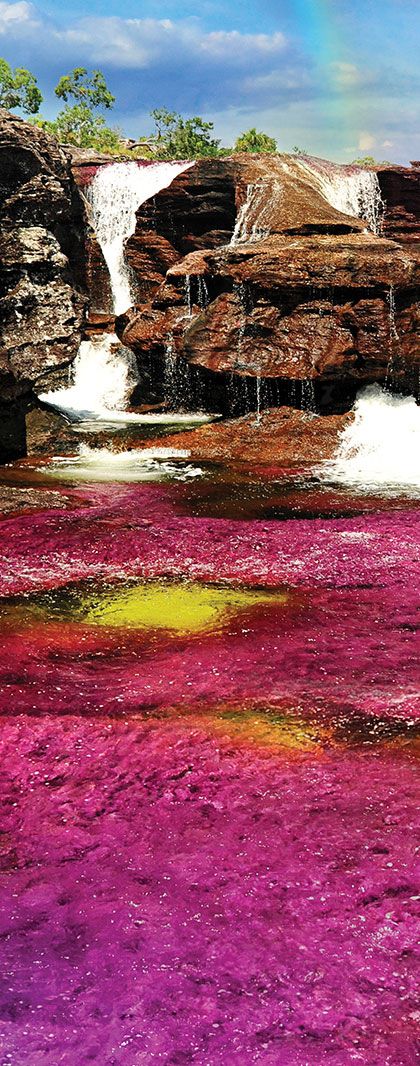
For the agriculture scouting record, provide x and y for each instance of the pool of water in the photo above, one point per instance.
(209, 696)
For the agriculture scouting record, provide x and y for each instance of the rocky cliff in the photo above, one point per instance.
(41, 272)
(305, 296)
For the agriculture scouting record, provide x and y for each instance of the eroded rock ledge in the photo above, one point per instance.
(306, 293)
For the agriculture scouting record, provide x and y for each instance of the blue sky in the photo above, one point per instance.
(339, 78)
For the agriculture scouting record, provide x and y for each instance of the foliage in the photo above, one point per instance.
(18, 88)
(254, 141)
(76, 123)
(178, 138)
(78, 126)
(368, 161)
(88, 90)
(299, 151)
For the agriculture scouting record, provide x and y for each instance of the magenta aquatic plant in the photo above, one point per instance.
(209, 800)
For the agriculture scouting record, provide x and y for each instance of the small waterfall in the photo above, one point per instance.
(356, 193)
(249, 222)
(170, 372)
(188, 294)
(115, 194)
(393, 332)
(258, 390)
(393, 339)
(203, 292)
(104, 376)
(104, 373)
(308, 401)
(380, 449)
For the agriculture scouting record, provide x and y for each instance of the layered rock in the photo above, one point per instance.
(400, 190)
(302, 292)
(42, 273)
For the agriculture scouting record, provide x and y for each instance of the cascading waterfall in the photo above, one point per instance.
(104, 375)
(380, 449)
(355, 193)
(249, 226)
(104, 372)
(114, 195)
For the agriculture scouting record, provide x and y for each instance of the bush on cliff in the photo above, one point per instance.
(254, 141)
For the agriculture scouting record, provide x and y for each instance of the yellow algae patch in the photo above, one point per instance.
(183, 607)
(269, 730)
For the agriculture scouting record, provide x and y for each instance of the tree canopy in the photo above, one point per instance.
(88, 89)
(18, 88)
(255, 141)
(77, 123)
(178, 138)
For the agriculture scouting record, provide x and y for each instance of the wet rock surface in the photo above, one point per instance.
(282, 435)
(303, 291)
(41, 275)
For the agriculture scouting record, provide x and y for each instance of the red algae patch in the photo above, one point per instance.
(209, 798)
(170, 895)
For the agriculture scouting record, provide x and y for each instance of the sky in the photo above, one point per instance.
(337, 78)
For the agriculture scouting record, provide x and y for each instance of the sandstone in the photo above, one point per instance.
(282, 435)
(243, 267)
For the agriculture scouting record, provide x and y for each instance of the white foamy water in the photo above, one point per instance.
(380, 449)
(355, 193)
(102, 464)
(104, 375)
(104, 372)
(115, 194)
(251, 221)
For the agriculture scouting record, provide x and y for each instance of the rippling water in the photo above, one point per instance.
(209, 695)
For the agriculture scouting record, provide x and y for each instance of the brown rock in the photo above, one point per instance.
(283, 436)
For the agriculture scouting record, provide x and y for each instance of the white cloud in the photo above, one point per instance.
(366, 142)
(14, 13)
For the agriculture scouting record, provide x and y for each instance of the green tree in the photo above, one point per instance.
(179, 138)
(18, 88)
(86, 89)
(77, 123)
(79, 126)
(254, 141)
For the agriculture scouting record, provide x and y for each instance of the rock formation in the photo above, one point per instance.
(303, 293)
(41, 274)
(278, 435)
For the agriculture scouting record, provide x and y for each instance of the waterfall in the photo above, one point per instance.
(188, 295)
(380, 449)
(249, 222)
(308, 400)
(115, 194)
(104, 373)
(355, 192)
(258, 411)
